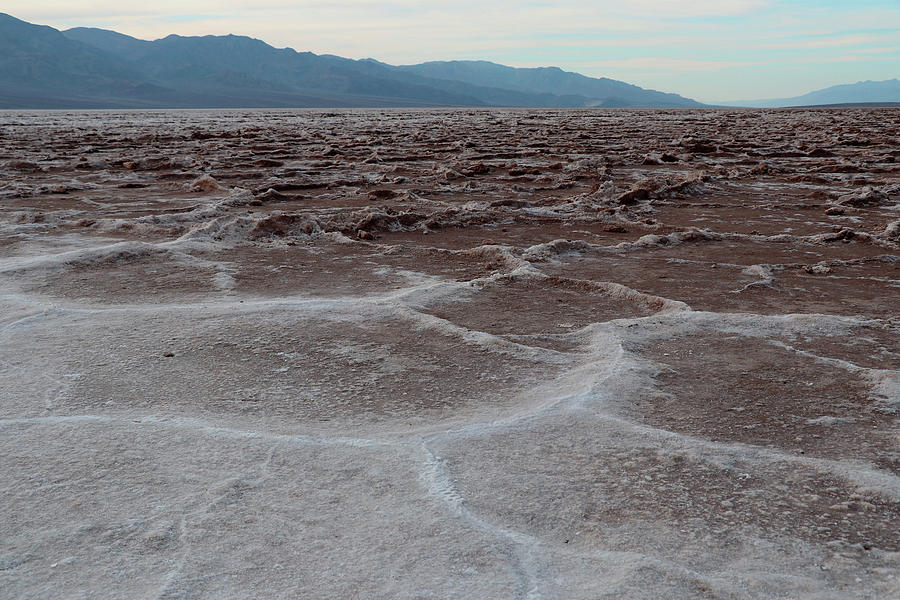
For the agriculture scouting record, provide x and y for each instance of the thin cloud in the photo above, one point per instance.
(670, 65)
(839, 41)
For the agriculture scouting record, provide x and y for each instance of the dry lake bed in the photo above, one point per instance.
(450, 354)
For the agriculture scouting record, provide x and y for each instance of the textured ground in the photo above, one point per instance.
(450, 354)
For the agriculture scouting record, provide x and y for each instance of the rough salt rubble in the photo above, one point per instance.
(450, 354)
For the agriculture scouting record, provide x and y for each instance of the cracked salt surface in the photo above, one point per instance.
(412, 354)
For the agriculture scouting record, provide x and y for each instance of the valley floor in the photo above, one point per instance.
(450, 354)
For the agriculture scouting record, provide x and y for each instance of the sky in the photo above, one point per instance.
(709, 50)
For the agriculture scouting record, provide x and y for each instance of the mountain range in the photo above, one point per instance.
(863, 92)
(42, 67)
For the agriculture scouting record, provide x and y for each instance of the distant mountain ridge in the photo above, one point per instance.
(41, 67)
(862, 92)
(548, 80)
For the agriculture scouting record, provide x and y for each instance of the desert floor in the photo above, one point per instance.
(450, 354)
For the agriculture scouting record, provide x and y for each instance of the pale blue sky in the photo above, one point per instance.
(705, 49)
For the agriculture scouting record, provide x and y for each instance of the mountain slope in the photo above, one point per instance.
(549, 80)
(119, 44)
(219, 58)
(863, 92)
(35, 59)
(236, 62)
(88, 67)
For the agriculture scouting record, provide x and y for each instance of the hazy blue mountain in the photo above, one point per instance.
(549, 80)
(88, 67)
(219, 60)
(863, 92)
(119, 44)
(229, 64)
(39, 62)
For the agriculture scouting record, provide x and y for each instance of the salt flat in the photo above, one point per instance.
(450, 354)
